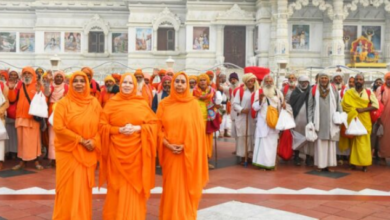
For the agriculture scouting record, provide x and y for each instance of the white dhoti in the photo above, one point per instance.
(325, 154)
(2, 150)
(226, 124)
(240, 145)
(265, 151)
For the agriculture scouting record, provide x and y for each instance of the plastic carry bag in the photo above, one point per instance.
(340, 118)
(298, 139)
(51, 119)
(310, 132)
(356, 128)
(285, 121)
(380, 131)
(38, 106)
(285, 145)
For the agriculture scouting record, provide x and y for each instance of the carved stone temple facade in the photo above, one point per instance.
(196, 34)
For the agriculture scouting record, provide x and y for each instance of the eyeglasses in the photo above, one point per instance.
(180, 81)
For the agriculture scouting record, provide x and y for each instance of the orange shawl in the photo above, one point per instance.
(132, 157)
(179, 128)
(76, 116)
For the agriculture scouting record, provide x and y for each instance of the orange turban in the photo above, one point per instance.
(387, 75)
(108, 78)
(116, 76)
(193, 77)
(162, 72)
(204, 76)
(210, 73)
(87, 71)
(138, 72)
(4, 73)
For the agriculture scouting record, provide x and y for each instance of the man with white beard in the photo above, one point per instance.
(266, 143)
(299, 103)
(324, 101)
(224, 88)
(338, 81)
(289, 88)
(245, 124)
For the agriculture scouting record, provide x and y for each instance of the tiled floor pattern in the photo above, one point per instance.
(357, 195)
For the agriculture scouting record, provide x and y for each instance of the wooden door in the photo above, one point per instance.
(235, 45)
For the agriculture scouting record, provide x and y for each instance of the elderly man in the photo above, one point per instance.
(266, 143)
(28, 129)
(356, 104)
(143, 89)
(299, 102)
(109, 90)
(289, 88)
(211, 76)
(234, 84)
(323, 103)
(338, 81)
(166, 82)
(224, 88)
(95, 88)
(245, 124)
(383, 95)
(117, 77)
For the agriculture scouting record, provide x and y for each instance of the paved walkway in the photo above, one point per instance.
(233, 192)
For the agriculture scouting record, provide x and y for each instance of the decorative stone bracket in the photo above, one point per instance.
(354, 5)
(321, 4)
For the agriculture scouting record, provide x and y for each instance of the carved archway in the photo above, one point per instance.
(353, 5)
(321, 4)
(97, 24)
(166, 19)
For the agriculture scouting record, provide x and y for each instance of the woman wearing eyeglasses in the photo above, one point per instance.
(182, 152)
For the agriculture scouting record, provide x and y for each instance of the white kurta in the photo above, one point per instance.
(242, 128)
(266, 144)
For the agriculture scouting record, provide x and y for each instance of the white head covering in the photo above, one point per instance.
(303, 78)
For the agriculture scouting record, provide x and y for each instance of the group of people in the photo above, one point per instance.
(131, 120)
(313, 108)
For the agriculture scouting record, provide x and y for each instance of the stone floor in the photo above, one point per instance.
(288, 193)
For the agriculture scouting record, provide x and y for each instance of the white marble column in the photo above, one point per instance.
(154, 40)
(281, 47)
(250, 55)
(177, 39)
(338, 56)
(220, 44)
(263, 17)
(387, 38)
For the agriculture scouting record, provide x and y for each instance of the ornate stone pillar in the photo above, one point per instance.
(263, 18)
(338, 56)
(220, 43)
(177, 39)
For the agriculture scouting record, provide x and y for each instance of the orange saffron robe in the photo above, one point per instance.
(184, 174)
(76, 116)
(128, 161)
(105, 96)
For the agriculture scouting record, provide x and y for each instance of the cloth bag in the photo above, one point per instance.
(380, 131)
(38, 106)
(356, 128)
(340, 118)
(272, 116)
(310, 131)
(285, 121)
(298, 140)
(3, 132)
(285, 150)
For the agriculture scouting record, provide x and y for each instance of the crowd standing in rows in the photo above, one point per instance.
(131, 120)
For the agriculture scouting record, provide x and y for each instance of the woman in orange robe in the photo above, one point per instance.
(129, 141)
(77, 145)
(182, 152)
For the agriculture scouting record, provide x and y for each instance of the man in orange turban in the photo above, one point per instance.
(109, 90)
(143, 89)
(117, 77)
(161, 73)
(95, 88)
(193, 79)
(28, 129)
(211, 76)
(166, 82)
(209, 101)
